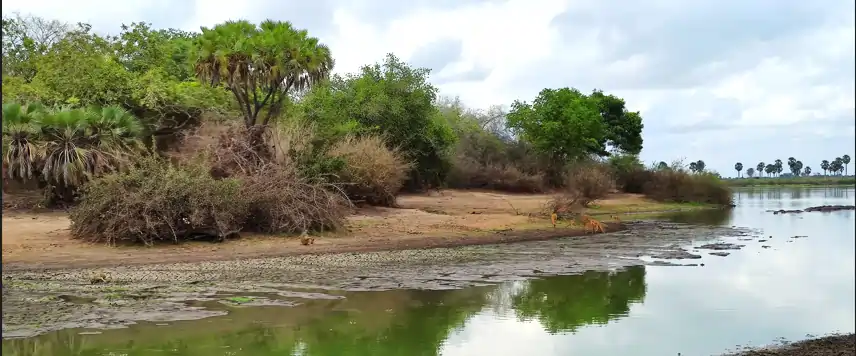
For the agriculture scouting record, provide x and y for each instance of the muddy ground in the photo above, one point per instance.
(833, 345)
(37, 301)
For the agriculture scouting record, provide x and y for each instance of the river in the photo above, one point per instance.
(794, 281)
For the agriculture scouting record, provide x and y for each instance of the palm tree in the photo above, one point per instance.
(738, 167)
(750, 172)
(807, 171)
(778, 166)
(260, 65)
(20, 137)
(700, 166)
(662, 165)
(694, 167)
(760, 167)
(65, 148)
(846, 160)
(824, 165)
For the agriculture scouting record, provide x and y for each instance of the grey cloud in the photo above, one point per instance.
(679, 36)
(382, 12)
(438, 54)
(476, 74)
(166, 14)
(314, 16)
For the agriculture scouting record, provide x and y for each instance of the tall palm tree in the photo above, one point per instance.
(260, 65)
(738, 167)
(846, 160)
(760, 168)
(824, 165)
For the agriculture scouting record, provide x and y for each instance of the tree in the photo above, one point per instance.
(795, 166)
(694, 167)
(25, 39)
(662, 165)
(846, 160)
(824, 165)
(141, 49)
(563, 124)
(837, 165)
(778, 167)
(760, 167)
(260, 65)
(700, 166)
(750, 172)
(623, 128)
(738, 167)
(807, 171)
(392, 99)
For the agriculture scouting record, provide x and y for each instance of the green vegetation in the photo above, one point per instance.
(834, 173)
(164, 135)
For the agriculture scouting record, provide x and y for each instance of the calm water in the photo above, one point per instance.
(795, 287)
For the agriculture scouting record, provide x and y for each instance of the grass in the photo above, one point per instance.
(240, 300)
(790, 181)
(644, 206)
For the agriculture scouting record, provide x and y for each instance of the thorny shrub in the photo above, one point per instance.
(236, 184)
(584, 184)
(156, 201)
(467, 173)
(372, 172)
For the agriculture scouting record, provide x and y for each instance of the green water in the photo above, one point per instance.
(793, 288)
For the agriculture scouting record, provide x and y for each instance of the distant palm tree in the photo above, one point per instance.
(662, 165)
(750, 172)
(700, 166)
(807, 171)
(760, 168)
(778, 165)
(824, 165)
(846, 160)
(694, 167)
(738, 167)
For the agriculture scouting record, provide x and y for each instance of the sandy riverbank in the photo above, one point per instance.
(442, 219)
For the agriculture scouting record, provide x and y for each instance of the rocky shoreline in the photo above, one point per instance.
(832, 345)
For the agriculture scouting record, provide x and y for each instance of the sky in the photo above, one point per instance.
(722, 81)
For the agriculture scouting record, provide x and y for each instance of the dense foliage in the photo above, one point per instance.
(255, 110)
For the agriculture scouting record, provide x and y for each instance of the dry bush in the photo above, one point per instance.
(468, 173)
(589, 182)
(677, 185)
(281, 201)
(235, 184)
(156, 201)
(373, 173)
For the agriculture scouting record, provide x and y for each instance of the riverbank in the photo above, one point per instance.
(447, 218)
(792, 181)
(834, 345)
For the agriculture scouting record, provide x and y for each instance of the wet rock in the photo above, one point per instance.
(765, 246)
(798, 237)
(762, 240)
(721, 246)
(822, 208)
(720, 254)
(825, 346)
(676, 255)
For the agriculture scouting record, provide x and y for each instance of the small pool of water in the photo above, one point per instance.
(783, 287)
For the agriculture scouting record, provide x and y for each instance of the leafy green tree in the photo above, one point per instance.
(25, 39)
(770, 169)
(141, 49)
(391, 99)
(824, 165)
(760, 167)
(837, 165)
(750, 172)
(845, 159)
(623, 128)
(563, 124)
(738, 167)
(260, 65)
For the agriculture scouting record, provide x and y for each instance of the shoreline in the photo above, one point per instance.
(830, 345)
(42, 241)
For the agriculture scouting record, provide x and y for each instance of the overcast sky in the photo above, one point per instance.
(723, 81)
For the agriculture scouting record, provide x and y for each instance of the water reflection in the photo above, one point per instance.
(368, 323)
(565, 303)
